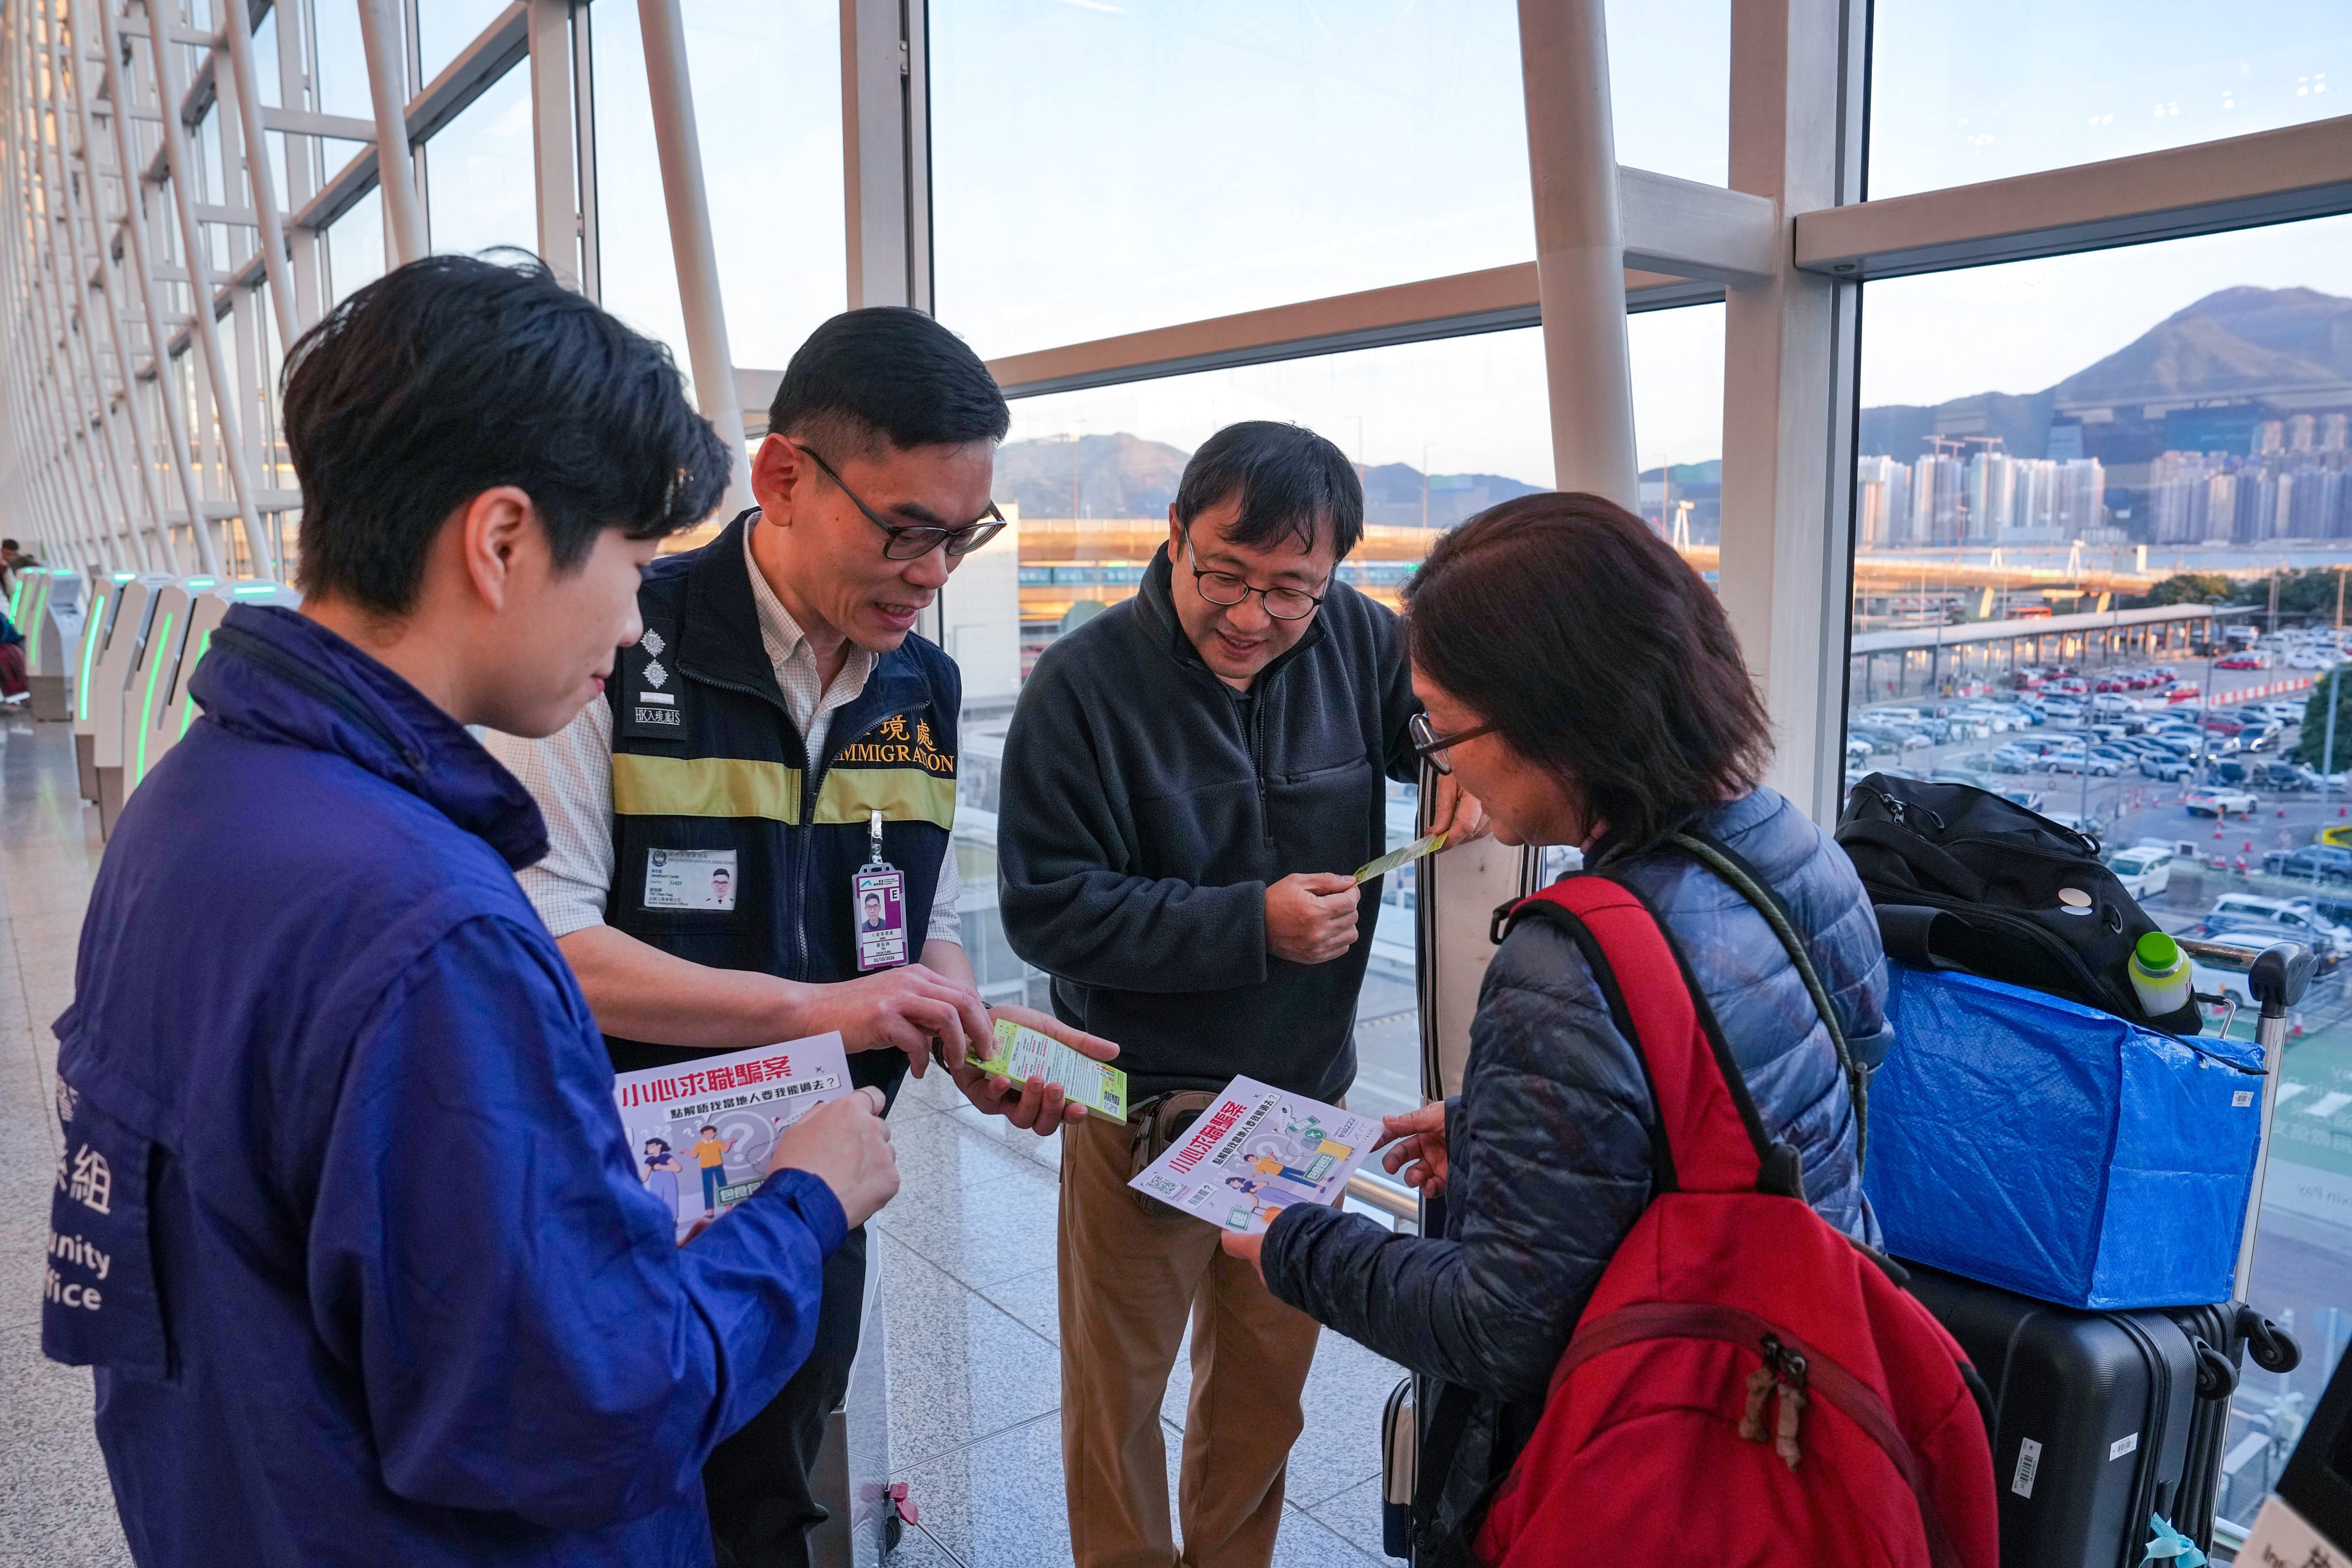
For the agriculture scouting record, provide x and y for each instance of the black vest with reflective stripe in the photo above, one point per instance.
(706, 757)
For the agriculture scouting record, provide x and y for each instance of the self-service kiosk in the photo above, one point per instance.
(119, 669)
(172, 710)
(96, 626)
(52, 628)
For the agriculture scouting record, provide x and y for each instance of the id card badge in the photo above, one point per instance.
(878, 901)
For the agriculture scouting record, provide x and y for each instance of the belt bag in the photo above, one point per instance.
(1157, 1122)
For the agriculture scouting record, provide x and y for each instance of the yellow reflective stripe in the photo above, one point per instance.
(900, 794)
(704, 786)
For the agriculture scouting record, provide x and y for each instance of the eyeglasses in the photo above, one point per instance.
(1224, 589)
(913, 541)
(1430, 746)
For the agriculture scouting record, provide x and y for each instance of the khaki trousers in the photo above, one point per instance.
(1129, 1279)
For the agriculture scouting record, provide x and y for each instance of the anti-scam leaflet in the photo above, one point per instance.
(701, 1131)
(1255, 1151)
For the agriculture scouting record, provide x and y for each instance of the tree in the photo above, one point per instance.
(2314, 737)
(2191, 588)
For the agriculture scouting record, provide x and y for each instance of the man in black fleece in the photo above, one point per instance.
(1189, 781)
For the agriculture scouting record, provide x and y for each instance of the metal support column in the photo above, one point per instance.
(553, 160)
(1788, 391)
(680, 148)
(1579, 247)
(142, 260)
(403, 215)
(180, 165)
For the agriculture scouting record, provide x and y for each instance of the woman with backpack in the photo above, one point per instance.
(1584, 684)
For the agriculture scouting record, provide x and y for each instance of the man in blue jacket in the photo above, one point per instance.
(345, 1220)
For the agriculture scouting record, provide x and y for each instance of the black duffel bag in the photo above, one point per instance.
(1963, 878)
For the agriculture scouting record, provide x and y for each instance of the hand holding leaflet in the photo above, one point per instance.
(715, 1119)
(1256, 1151)
(1396, 859)
(1022, 1054)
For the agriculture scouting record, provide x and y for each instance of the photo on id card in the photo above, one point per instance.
(690, 879)
(878, 901)
(700, 1131)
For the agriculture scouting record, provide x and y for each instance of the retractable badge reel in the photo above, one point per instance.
(878, 907)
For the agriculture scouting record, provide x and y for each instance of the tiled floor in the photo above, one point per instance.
(967, 1247)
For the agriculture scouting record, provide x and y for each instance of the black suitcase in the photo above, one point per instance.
(2102, 1421)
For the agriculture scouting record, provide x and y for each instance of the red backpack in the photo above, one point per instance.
(1747, 1385)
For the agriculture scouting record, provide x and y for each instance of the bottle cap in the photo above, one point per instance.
(2157, 951)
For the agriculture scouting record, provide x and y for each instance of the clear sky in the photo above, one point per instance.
(1105, 165)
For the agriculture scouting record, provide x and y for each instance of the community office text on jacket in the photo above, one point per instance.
(1549, 1143)
(374, 1279)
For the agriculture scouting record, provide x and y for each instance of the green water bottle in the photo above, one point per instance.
(2160, 975)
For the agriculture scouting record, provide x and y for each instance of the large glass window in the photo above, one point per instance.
(767, 90)
(480, 184)
(1439, 431)
(443, 28)
(1963, 93)
(2103, 504)
(1670, 86)
(1099, 169)
(355, 246)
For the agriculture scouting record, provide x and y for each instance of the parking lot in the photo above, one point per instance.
(2302, 1256)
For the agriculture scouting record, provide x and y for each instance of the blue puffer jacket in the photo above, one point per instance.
(1548, 1141)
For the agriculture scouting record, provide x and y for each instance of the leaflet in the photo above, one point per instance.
(701, 1131)
(1255, 1151)
(1023, 1053)
(1396, 859)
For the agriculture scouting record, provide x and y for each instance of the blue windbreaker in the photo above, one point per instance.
(345, 1218)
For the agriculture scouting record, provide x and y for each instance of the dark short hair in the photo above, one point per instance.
(887, 374)
(453, 375)
(1292, 483)
(706, 1127)
(1597, 652)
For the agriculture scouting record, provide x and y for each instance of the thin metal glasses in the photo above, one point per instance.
(1430, 746)
(1222, 588)
(912, 542)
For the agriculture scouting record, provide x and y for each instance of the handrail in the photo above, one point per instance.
(1384, 1196)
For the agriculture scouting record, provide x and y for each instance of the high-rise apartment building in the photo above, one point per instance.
(1938, 486)
(1882, 503)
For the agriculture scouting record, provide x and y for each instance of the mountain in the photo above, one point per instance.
(2196, 355)
(1108, 476)
(2233, 351)
(2202, 380)
(1125, 476)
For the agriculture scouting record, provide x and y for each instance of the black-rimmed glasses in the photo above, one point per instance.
(1430, 746)
(912, 542)
(1225, 589)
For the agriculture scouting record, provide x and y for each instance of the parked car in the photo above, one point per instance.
(2290, 778)
(2295, 920)
(2167, 768)
(2013, 758)
(2143, 872)
(2311, 863)
(2313, 658)
(2079, 761)
(2217, 802)
(2252, 659)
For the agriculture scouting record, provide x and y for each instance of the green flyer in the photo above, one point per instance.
(1023, 1053)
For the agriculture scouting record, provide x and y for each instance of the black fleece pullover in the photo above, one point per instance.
(1146, 806)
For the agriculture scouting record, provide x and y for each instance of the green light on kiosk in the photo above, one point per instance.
(254, 590)
(188, 708)
(154, 669)
(90, 643)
